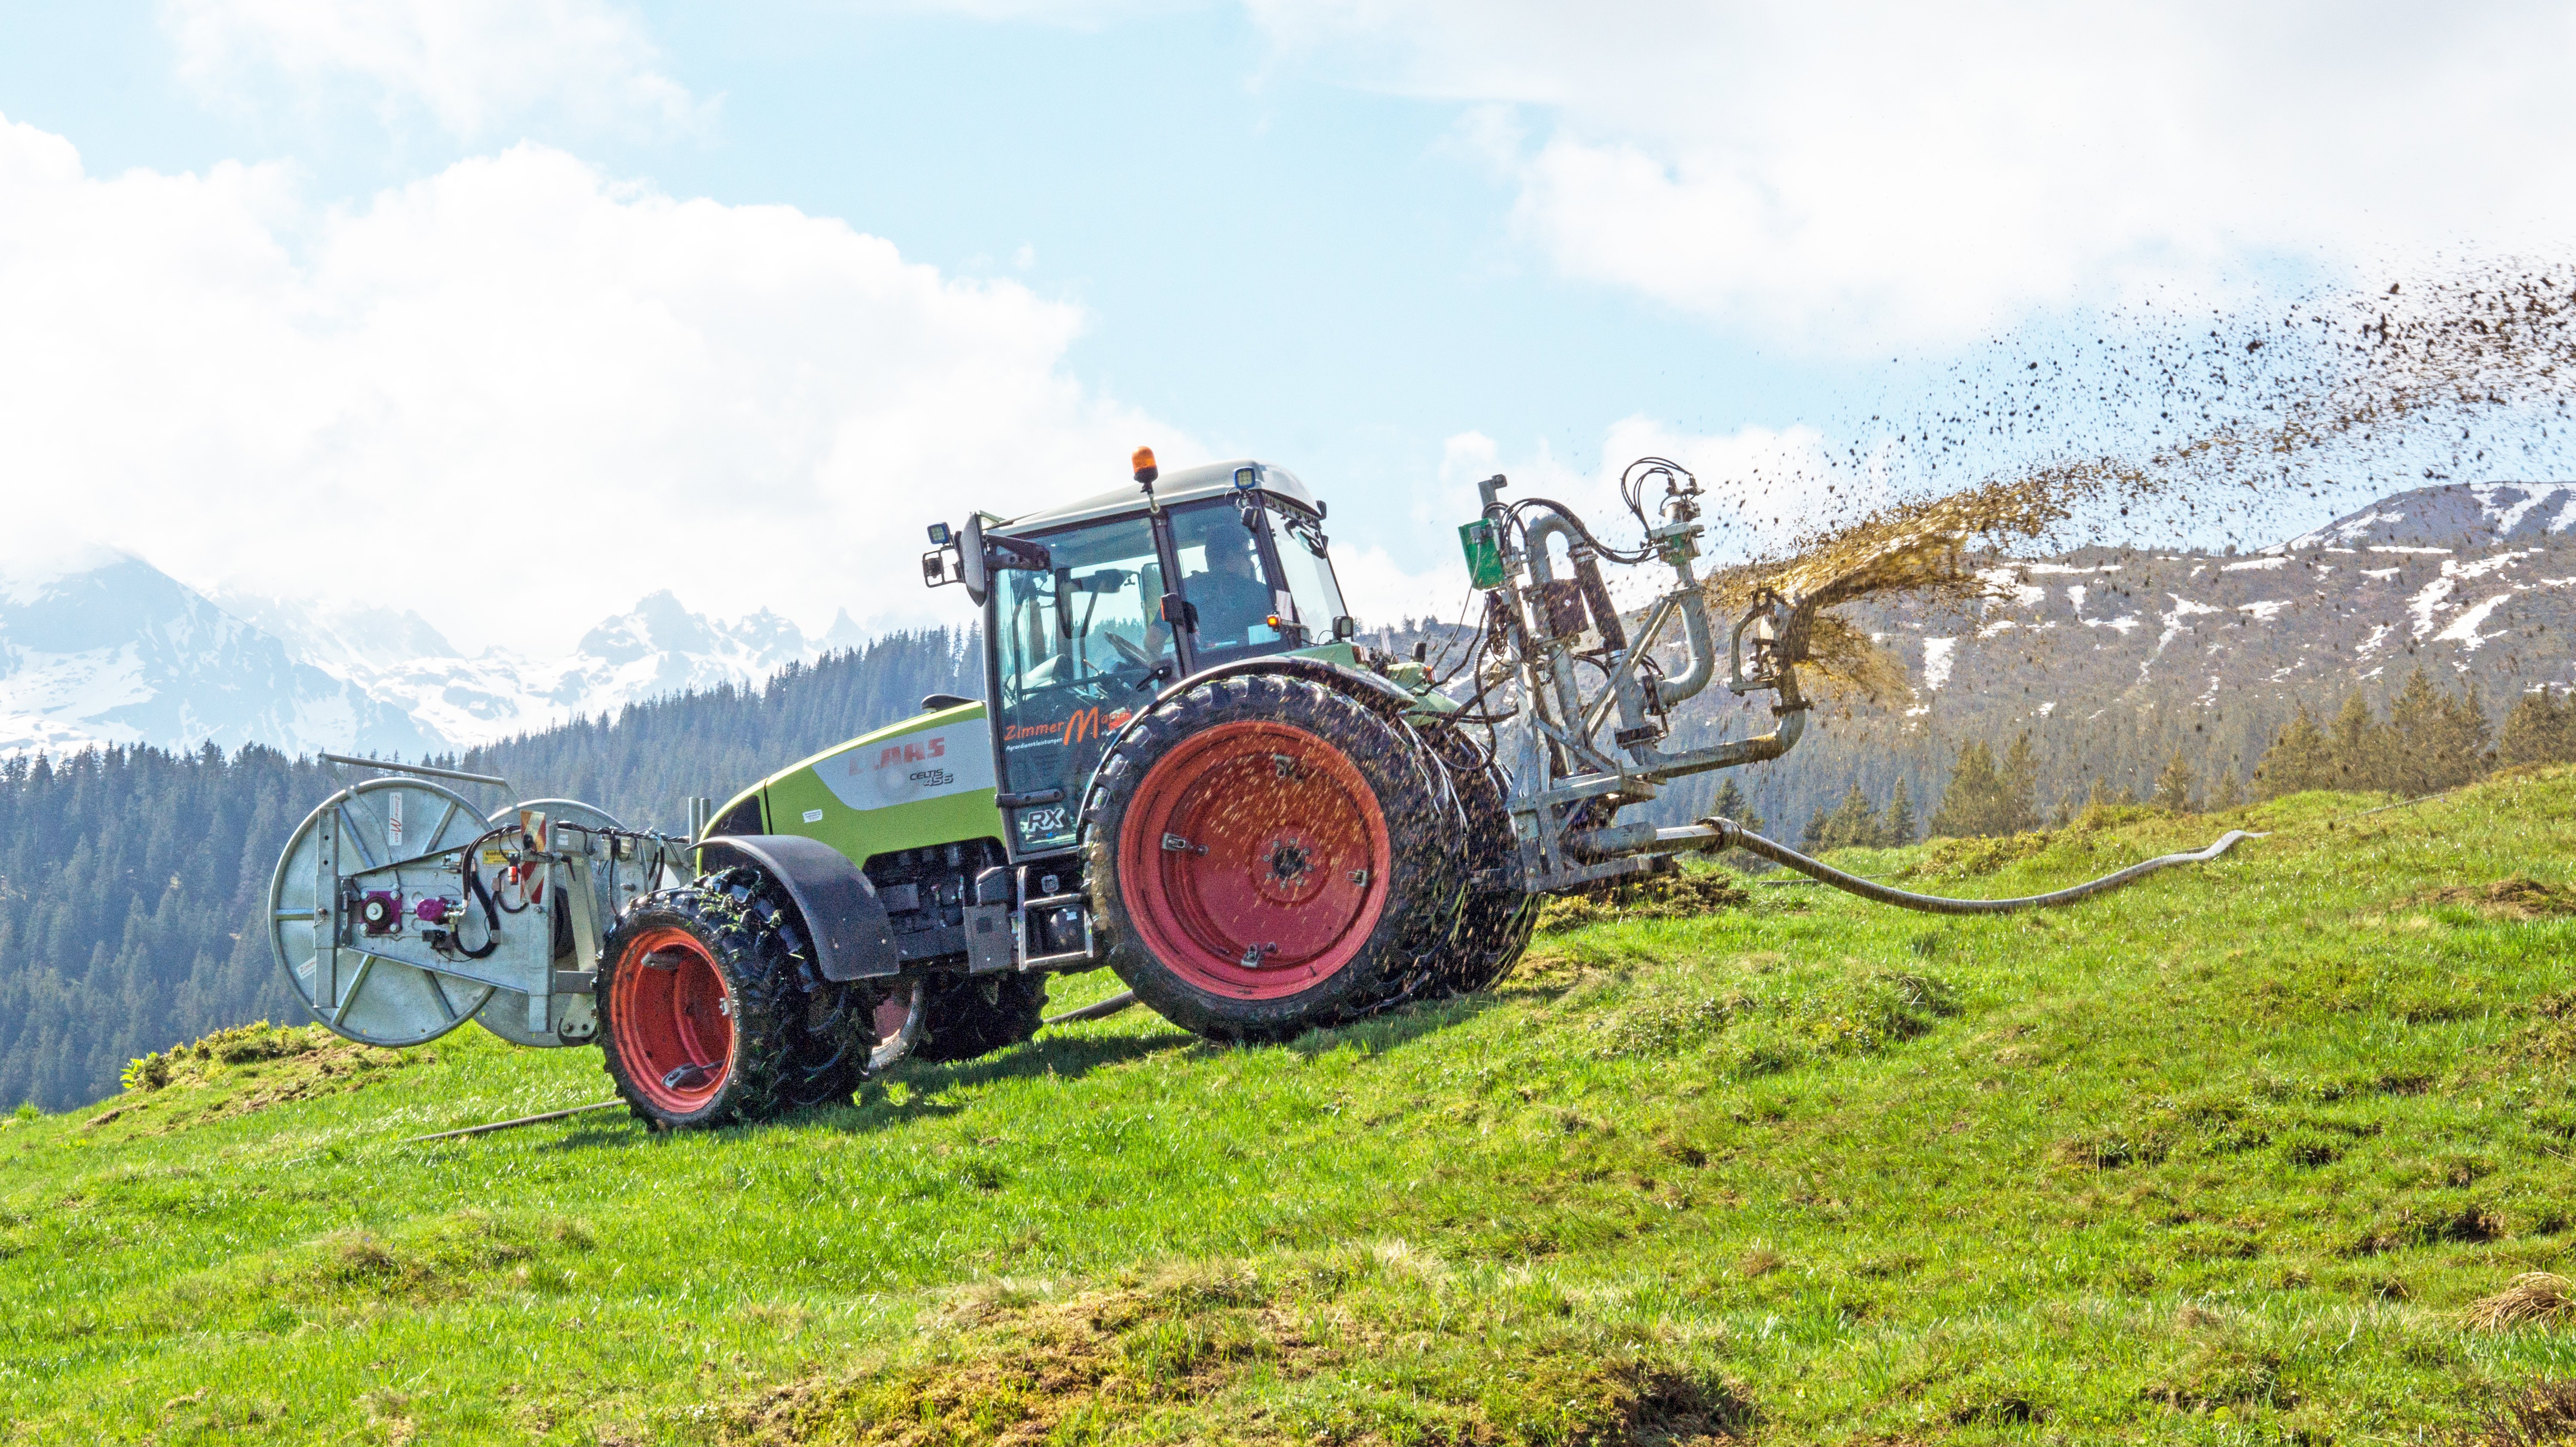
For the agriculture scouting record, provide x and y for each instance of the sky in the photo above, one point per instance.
(510, 313)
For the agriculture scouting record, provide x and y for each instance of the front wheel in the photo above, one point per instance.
(1270, 856)
(711, 1011)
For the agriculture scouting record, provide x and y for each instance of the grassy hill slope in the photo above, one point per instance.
(2226, 1157)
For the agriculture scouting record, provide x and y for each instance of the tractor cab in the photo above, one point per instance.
(1092, 608)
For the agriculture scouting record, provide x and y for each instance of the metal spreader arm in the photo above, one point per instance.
(1566, 777)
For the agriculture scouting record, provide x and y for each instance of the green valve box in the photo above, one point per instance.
(1484, 554)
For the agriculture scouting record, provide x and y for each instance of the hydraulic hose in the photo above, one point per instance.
(1737, 836)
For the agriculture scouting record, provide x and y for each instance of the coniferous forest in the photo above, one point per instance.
(131, 879)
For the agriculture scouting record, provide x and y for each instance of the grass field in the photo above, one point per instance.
(2228, 1157)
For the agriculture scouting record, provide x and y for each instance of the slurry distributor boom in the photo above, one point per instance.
(1186, 769)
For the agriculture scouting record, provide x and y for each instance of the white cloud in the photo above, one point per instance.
(475, 66)
(517, 395)
(1860, 173)
(1063, 14)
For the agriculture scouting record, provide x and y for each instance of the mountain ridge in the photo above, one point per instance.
(2475, 579)
(112, 651)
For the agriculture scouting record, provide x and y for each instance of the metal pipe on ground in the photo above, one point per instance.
(511, 1124)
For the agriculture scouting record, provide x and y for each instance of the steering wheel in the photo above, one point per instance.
(1128, 647)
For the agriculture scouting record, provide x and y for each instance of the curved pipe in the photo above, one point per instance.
(1695, 631)
(1726, 833)
(885, 1057)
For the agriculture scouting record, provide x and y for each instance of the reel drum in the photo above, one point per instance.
(401, 834)
(506, 1015)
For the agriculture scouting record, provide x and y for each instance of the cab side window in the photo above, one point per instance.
(1221, 575)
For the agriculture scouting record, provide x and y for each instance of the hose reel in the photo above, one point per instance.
(399, 911)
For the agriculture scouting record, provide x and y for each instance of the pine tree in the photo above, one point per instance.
(1858, 820)
(2173, 787)
(1898, 828)
(1981, 798)
(2021, 786)
(2411, 740)
(2459, 743)
(2356, 743)
(1730, 803)
(2540, 729)
(2302, 758)
(2226, 794)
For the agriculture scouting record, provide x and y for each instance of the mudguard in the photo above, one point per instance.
(843, 916)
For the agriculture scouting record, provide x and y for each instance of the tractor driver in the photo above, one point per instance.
(1230, 596)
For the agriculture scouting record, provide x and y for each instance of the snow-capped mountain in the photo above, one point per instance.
(121, 653)
(2472, 582)
(658, 647)
(114, 651)
(2469, 581)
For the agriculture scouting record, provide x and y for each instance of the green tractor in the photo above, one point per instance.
(1187, 769)
(1188, 772)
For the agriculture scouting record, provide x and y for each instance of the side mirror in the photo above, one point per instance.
(978, 556)
(971, 569)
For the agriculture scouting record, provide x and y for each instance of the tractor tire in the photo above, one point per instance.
(711, 1010)
(971, 1015)
(1268, 856)
(1496, 919)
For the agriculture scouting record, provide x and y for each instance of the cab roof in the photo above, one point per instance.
(1181, 484)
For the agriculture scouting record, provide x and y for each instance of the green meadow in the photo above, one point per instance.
(2251, 1152)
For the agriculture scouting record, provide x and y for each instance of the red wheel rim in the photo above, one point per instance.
(1253, 860)
(672, 1019)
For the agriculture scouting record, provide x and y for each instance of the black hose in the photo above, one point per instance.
(491, 917)
(1739, 837)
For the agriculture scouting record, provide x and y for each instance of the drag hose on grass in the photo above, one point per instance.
(1738, 837)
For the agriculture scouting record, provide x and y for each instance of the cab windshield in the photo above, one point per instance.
(1079, 648)
(1257, 577)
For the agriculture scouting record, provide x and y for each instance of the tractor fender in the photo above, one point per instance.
(843, 916)
(1367, 688)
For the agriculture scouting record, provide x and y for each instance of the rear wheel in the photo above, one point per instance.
(1270, 856)
(971, 1015)
(711, 1010)
(1496, 918)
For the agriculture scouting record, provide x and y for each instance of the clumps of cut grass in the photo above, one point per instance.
(2535, 1298)
(1787, 1020)
(1682, 894)
(2222, 1367)
(2114, 1149)
(1968, 858)
(244, 1069)
(2541, 1412)
(2517, 898)
(2547, 1044)
(2465, 1224)
(199, 1060)
(1160, 1351)
(443, 1258)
